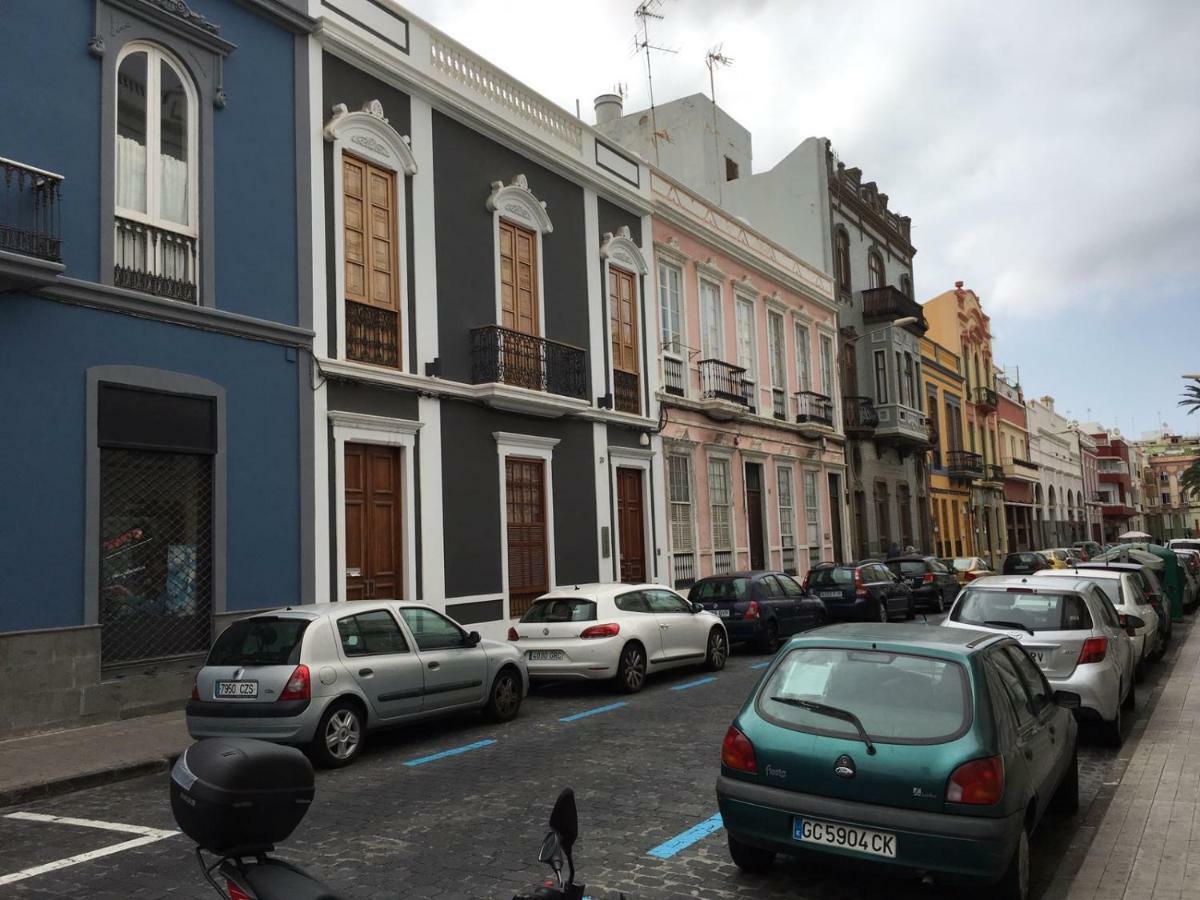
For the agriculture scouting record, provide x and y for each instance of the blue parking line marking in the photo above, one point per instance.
(421, 760)
(682, 841)
(761, 665)
(591, 712)
(692, 684)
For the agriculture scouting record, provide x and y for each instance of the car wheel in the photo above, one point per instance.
(504, 702)
(340, 734)
(631, 671)
(883, 613)
(718, 650)
(1066, 798)
(769, 642)
(1014, 883)
(1114, 735)
(754, 860)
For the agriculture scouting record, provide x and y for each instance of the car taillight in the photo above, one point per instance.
(971, 576)
(235, 892)
(804, 583)
(298, 686)
(601, 631)
(752, 610)
(1093, 650)
(512, 634)
(738, 753)
(928, 579)
(979, 782)
(196, 687)
(860, 589)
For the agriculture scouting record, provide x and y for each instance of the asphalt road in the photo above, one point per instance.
(469, 825)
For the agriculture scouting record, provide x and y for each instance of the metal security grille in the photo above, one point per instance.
(156, 512)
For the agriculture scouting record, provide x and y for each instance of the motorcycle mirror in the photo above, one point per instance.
(551, 852)
(564, 819)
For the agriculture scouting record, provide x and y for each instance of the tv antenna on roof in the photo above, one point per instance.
(715, 59)
(646, 10)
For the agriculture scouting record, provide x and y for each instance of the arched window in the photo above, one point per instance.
(877, 275)
(842, 259)
(156, 174)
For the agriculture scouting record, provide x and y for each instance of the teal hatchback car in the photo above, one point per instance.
(930, 753)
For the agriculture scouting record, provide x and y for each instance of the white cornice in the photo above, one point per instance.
(621, 249)
(616, 452)
(516, 201)
(372, 136)
(671, 251)
(527, 441)
(365, 422)
(710, 268)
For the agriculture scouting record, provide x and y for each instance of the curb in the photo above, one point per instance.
(70, 784)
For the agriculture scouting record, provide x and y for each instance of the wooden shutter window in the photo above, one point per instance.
(518, 278)
(371, 263)
(525, 499)
(623, 320)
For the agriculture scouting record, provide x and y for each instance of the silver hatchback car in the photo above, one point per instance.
(1070, 629)
(323, 675)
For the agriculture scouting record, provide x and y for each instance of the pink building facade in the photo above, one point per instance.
(754, 447)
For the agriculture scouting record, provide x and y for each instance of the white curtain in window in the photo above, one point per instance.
(803, 363)
(131, 174)
(174, 189)
(745, 339)
(710, 314)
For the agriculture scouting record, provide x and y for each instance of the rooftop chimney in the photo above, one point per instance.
(608, 108)
(958, 285)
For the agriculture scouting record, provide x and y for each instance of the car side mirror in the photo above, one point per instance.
(1068, 700)
(1131, 623)
(697, 608)
(473, 639)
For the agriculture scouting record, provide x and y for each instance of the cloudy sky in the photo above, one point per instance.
(1048, 152)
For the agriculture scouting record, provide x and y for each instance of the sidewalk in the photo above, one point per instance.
(47, 764)
(1147, 846)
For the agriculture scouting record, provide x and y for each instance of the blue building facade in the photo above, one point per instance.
(155, 343)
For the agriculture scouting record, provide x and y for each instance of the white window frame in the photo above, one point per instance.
(515, 203)
(803, 337)
(643, 460)
(717, 352)
(727, 462)
(360, 428)
(367, 135)
(752, 376)
(673, 348)
(819, 546)
(777, 349)
(787, 518)
(677, 453)
(618, 251)
(525, 446)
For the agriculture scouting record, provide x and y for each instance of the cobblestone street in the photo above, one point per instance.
(469, 825)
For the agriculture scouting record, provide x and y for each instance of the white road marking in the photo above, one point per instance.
(146, 836)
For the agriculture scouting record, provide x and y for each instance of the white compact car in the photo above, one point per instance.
(617, 631)
(1125, 592)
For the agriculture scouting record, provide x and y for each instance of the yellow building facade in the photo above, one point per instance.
(948, 497)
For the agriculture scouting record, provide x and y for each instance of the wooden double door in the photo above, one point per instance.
(631, 524)
(374, 522)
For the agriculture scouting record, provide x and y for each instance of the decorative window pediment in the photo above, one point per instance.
(620, 248)
(515, 201)
(366, 132)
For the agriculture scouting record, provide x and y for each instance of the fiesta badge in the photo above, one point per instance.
(843, 767)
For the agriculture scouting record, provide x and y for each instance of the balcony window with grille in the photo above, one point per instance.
(812, 518)
(720, 496)
(745, 344)
(910, 384)
(670, 305)
(787, 518)
(775, 351)
(842, 251)
(803, 358)
(710, 320)
(156, 241)
(881, 382)
(683, 545)
(827, 366)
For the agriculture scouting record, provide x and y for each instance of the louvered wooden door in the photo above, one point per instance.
(522, 357)
(623, 320)
(632, 525)
(528, 568)
(374, 523)
(371, 262)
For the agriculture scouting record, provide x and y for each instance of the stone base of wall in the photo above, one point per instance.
(50, 680)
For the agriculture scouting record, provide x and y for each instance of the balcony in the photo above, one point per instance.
(886, 304)
(674, 376)
(985, 399)
(901, 427)
(814, 410)
(779, 404)
(502, 356)
(964, 464)
(30, 220)
(859, 416)
(154, 261)
(723, 389)
(1020, 469)
(993, 474)
(1117, 511)
(626, 393)
(372, 334)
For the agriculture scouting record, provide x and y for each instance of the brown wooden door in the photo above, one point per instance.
(374, 523)
(623, 325)
(754, 513)
(371, 264)
(518, 278)
(631, 523)
(528, 566)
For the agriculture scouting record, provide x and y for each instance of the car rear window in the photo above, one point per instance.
(561, 609)
(900, 698)
(720, 589)
(830, 576)
(1185, 545)
(1020, 608)
(964, 564)
(907, 567)
(259, 642)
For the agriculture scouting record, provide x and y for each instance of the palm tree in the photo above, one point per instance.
(1189, 481)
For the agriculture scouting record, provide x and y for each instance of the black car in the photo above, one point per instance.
(863, 591)
(759, 607)
(1025, 562)
(931, 583)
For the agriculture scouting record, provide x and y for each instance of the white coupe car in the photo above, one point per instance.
(617, 631)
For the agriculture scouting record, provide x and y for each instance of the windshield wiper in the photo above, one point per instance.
(1017, 625)
(832, 712)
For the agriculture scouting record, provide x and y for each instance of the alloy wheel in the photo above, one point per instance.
(635, 668)
(506, 697)
(883, 615)
(718, 652)
(342, 734)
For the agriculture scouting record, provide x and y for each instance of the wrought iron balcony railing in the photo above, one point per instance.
(30, 217)
(889, 303)
(993, 472)
(155, 261)
(814, 407)
(964, 463)
(721, 381)
(626, 393)
(779, 404)
(523, 360)
(674, 376)
(859, 415)
(372, 334)
(985, 398)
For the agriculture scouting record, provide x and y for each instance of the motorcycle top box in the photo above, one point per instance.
(240, 797)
